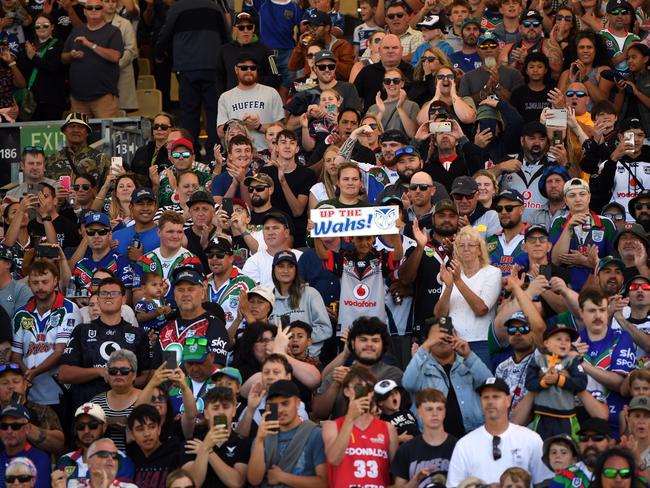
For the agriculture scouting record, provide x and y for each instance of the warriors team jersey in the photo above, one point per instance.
(227, 295)
(362, 284)
(525, 181)
(630, 178)
(503, 254)
(154, 262)
(148, 305)
(116, 264)
(366, 461)
(34, 339)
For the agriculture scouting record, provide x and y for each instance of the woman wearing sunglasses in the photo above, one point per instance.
(21, 473)
(119, 400)
(617, 468)
(463, 108)
(370, 139)
(154, 151)
(424, 83)
(45, 71)
(396, 111)
(565, 27)
(84, 190)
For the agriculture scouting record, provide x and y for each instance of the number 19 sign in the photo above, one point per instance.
(357, 221)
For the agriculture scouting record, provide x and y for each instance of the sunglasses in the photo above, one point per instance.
(97, 232)
(377, 39)
(522, 329)
(458, 197)
(158, 399)
(641, 205)
(96, 8)
(612, 473)
(196, 341)
(566, 18)
(445, 77)
(21, 478)
(34, 149)
(507, 208)
(9, 366)
(489, 45)
(83, 186)
(258, 189)
(92, 425)
(111, 294)
(419, 186)
(326, 67)
(394, 16)
(161, 126)
(184, 154)
(642, 286)
(616, 217)
(392, 81)
(429, 59)
(496, 450)
(7, 426)
(247, 67)
(593, 437)
(107, 454)
(531, 23)
(540, 239)
(212, 255)
(373, 126)
(576, 93)
(620, 11)
(244, 27)
(119, 371)
(404, 150)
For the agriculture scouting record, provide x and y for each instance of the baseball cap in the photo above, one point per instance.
(607, 260)
(230, 372)
(14, 367)
(6, 253)
(384, 388)
(634, 229)
(531, 14)
(564, 438)
(486, 112)
(432, 22)
(188, 274)
(394, 135)
(551, 170)
(195, 350)
(261, 178)
(639, 403)
(496, 383)
(143, 194)
(445, 205)
(283, 388)
(280, 217)
(517, 317)
(556, 328)
(406, 151)
(200, 196)
(510, 194)
(182, 142)
(285, 256)
(318, 18)
(265, 293)
(246, 55)
(617, 5)
(535, 228)
(533, 127)
(488, 36)
(219, 244)
(242, 17)
(595, 425)
(630, 205)
(470, 20)
(76, 118)
(15, 411)
(98, 218)
(324, 55)
(464, 185)
(92, 409)
(576, 184)
(630, 123)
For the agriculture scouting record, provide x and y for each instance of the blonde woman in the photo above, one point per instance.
(396, 111)
(470, 291)
(462, 107)
(371, 139)
(423, 87)
(488, 187)
(120, 209)
(326, 188)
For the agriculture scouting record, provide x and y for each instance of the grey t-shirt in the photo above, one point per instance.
(14, 296)
(92, 76)
(474, 81)
(391, 119)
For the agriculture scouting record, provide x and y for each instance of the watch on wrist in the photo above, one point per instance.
(47, 218)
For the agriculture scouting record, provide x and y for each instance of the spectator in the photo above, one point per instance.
(77, 156)
(458, 12)
(350, 191)
(42, 330)
(269, 461)
(617, 36)
(16, 236)
(397, 21)
(141, 237)
(635, 323)
(470, 291)
(326, 188)
(346, 447)
(447, 99)
(93, 51)
(253, 346)
(246, 40)
(506, 246)
(551, 186)
(424, 83)
(638, 59)
(89, 426)
(126, 84)
(396, 112)
(180, 478)
(614, 463)
(154, 153)
(510, 29)
(362, 36)
(565, 27)
(119, 205)
(13, 294)
(198, 71)
(631, 244)
(337, 19)
(32, 165)
(298, 301)
(23, 471)
(467, 59)
(530, 99)
(445, 362)
(486, 451)
(371, 55)
(240, 165)
(255, 104)
(615, 212)
(432, 29)
(464, 191)
(560, 452)
(488, 188)
(419, 206)
(45, 65)
(638, 414)
(639, 209)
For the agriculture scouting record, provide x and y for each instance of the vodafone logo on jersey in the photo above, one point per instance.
(361, 291)
(526, 195)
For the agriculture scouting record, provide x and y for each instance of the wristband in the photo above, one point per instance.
(12, 64)
(93, 47)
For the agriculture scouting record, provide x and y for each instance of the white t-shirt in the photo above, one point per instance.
(486, 283)
(519, 446)
(260, 100)
(259, 267)
(319, 191)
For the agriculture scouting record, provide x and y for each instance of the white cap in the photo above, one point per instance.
(91, 409)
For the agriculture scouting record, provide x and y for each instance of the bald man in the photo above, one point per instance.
(369, 80)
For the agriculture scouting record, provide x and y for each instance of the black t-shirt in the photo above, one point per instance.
(417, 454)
(257, 218)
(152, 471)
(454, 418)
(194, 246)
(90, 347)
(300, 181)
(403, 421)
(529, 103)
(236, 450)
(360, 153)
(67, 231)
(6, 326)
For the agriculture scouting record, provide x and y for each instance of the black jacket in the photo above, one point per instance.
(50, 84)
(467, 163)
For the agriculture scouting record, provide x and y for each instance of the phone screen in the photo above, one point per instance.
(170, 359)
(273, 408)
(227, 206)
(546, 271)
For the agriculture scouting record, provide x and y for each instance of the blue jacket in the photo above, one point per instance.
(423, 371)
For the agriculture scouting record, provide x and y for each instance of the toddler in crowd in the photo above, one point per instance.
(388, 398)
(150, 311)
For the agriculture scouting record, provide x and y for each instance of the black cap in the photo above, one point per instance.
(496, 383)
(531, 14)
(630, 123)
(283, 388)
(285, 256)
(317, 17)
(406, 151)
(535, 228)
(200, 196)
(532, 128)
(16, 412)
(324, 55)
(280, 217)
(626, 288)
(245, 55)
(510, 194)
(219, 244)
(464, 185)
(242, 17)
(395, 135)
(618, 4)
(634, 229)
(143, 193)
(6, 253)
(564, 438)
(595, 425)
(188, 274)
(557, 328)
(632, 203)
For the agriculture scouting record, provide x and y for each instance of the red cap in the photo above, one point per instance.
(182, 142)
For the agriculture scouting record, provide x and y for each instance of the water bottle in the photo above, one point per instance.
(71, 290)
